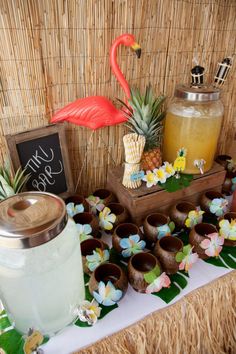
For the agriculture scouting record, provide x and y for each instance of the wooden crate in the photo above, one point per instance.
(143, 201)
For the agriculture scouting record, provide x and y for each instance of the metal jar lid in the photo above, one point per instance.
(201, 93)
(31, 219)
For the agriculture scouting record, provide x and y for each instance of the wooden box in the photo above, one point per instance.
(143, 201)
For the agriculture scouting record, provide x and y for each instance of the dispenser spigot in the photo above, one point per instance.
(199, 163)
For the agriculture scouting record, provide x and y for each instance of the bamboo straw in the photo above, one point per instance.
(134, 145)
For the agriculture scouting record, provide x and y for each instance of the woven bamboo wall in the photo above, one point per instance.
(54, 51)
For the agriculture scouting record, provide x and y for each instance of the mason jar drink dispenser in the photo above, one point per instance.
(41, 275)
(193, 122)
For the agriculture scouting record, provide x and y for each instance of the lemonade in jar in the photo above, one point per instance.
(193, 122)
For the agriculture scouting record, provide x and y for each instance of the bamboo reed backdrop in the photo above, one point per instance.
(55, 51)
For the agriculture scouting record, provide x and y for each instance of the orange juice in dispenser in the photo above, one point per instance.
(193, 120)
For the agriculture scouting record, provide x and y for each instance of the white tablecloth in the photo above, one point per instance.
(132, 308)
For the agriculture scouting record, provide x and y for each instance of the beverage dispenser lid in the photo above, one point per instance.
(31, 219)
(199, 93)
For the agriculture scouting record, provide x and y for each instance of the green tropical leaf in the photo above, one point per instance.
(186, 249)
(171, 226)
(226, 259)
(179, 257)
(173, 184)
(86, 278)
(81, 323)
(178, 281)
(184, 237)
(12, 342)
(168, 294)
(215, 261)
(152, 275)
(106, 309)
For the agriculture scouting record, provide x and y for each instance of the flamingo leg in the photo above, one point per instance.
(84, 161)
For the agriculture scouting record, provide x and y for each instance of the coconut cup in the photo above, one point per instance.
(207, 198)
(108, 272)
(223, 160)
(150, 227)
(120, 212)
(104, 194)
(77, 199)
(124, 231)
(229, 216)
(140, 264)
(179, 213)
(198, 234)
(87, 248)
(165, 250)
(228, 184)
(88, 218)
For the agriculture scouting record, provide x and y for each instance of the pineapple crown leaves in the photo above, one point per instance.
(10, 185)
(145, 115)
(182, 152)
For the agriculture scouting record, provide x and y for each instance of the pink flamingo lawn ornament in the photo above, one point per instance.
(97, 111)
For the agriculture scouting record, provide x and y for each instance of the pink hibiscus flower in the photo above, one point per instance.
(212, 244)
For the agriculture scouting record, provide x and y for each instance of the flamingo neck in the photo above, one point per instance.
(115, 68)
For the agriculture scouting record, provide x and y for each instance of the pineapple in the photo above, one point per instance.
(10, 185)
(145, 118)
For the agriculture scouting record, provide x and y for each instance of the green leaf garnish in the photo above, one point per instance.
(179, 257)
(173, 184)
(186, 249)
(152, 275)
(171, 226)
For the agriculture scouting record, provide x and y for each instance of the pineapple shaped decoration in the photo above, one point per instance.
(180, 161)
(145, 116)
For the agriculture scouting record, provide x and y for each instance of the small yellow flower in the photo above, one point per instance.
(228, 229)
(150, 178)
(169, 169)
(194, 218)
(160, 174)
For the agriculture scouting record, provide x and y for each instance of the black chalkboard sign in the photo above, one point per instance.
(44, 155)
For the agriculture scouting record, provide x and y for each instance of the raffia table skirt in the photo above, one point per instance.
(202, 322)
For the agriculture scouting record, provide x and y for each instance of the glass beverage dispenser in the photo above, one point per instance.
(41, 274)
(193, 122)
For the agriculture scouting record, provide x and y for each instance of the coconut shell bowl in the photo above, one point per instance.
(165, 250)
(179, 213)
(127, 239)
(88, 247)
(198, 234)
(207, 199)
(156, 226)
(88, 218)
(79, 204)
(120, 212)
(104, 194)
(108, 273)
(139, 265)
(227, 228)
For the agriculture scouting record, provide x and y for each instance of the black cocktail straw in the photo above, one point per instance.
(197, 74)
(222, 71)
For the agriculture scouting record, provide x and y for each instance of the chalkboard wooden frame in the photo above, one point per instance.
(14, 140)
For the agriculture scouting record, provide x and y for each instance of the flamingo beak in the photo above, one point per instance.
(136, 47)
